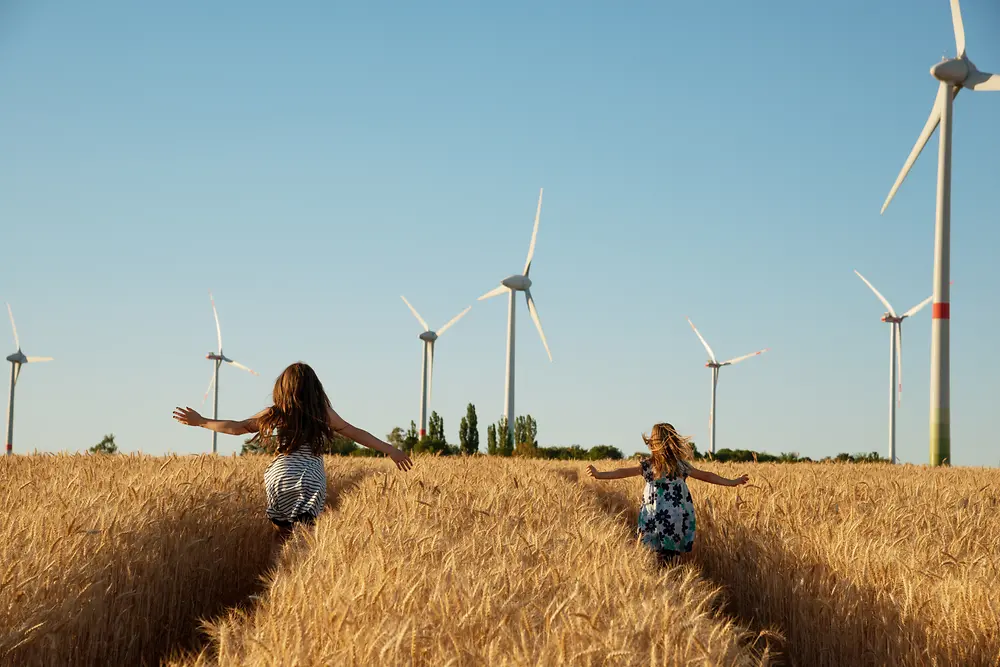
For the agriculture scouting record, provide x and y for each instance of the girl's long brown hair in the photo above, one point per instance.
(669, 450)
(298, 417)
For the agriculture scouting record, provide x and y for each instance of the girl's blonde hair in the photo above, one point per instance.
(669, 450)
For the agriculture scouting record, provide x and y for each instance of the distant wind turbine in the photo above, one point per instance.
(953, 75)
(16, 361)
(427, 366)
(218, 358)
(715, 365)
(895, 357)
(514, 284)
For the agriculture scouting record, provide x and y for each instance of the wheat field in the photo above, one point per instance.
(483, 561)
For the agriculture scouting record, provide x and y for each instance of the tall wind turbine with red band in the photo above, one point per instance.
(895, 357)
(715, 365)
(16, 360)
(953, 75)
(218, 358)
(427, 366)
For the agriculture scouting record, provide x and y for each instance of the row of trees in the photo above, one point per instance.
(748, 456)
(523, 444)
(526, 439)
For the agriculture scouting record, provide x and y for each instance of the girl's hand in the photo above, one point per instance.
(592, 471)
(189, 417)
(741, 480)
(400, 458)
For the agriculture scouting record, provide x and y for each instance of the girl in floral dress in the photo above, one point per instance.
(666, 519)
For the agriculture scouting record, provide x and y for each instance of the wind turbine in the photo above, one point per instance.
(16, 361)
(427, 366)
(895, 356)
(953, 74)
(715, 365)
(514, 284)
(218, 358)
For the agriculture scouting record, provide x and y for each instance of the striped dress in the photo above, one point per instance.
(295, 485)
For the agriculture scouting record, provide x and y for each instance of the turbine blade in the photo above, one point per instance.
(534, 233)
(711, 355)
(925, 135)
(211, 383)
(878, 294)
(899, 361)
(956, 21)
(538, 322)
(917, 308)
(453, 320)
(745, 356)
(415, 313)
(218, 329)
(497, 291)
(17, 373)
(35, 360)
(239, 365)
(982, 81)
(13, 326)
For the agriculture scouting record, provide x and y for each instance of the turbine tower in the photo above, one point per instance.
(218, 358)
(895, 357)
(715, 365)
(16, 361)
(427, 366)
(512, 285)
(953, 75)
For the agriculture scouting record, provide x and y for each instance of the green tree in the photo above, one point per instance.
(105, 446)
(397, 438)
(411, 439)
(338, 445)
(435, 428)
(526, 431)
(471, 445)
(434, 442)
(431, 445)
(599, 452)
(491, 440)
(505, 441)
(527, 450)
(251, 446)
(463, 434)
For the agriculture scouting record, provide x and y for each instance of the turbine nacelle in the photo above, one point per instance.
(18, 358)
(954, 71)
(216, 357)
(892, 319)
(517, 283)
(428, 336)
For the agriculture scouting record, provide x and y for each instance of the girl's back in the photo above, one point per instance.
(296, 486)
(666, 518)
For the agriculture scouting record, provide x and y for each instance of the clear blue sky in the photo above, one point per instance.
(309, 164)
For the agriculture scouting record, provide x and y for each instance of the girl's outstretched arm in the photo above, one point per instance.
(621, 473)
(712, 478)
(366, 439)
(228, 426)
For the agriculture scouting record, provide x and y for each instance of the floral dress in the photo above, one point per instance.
(666, 519)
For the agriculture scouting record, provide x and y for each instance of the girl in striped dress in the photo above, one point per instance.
(666, 518)
(296, 427)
